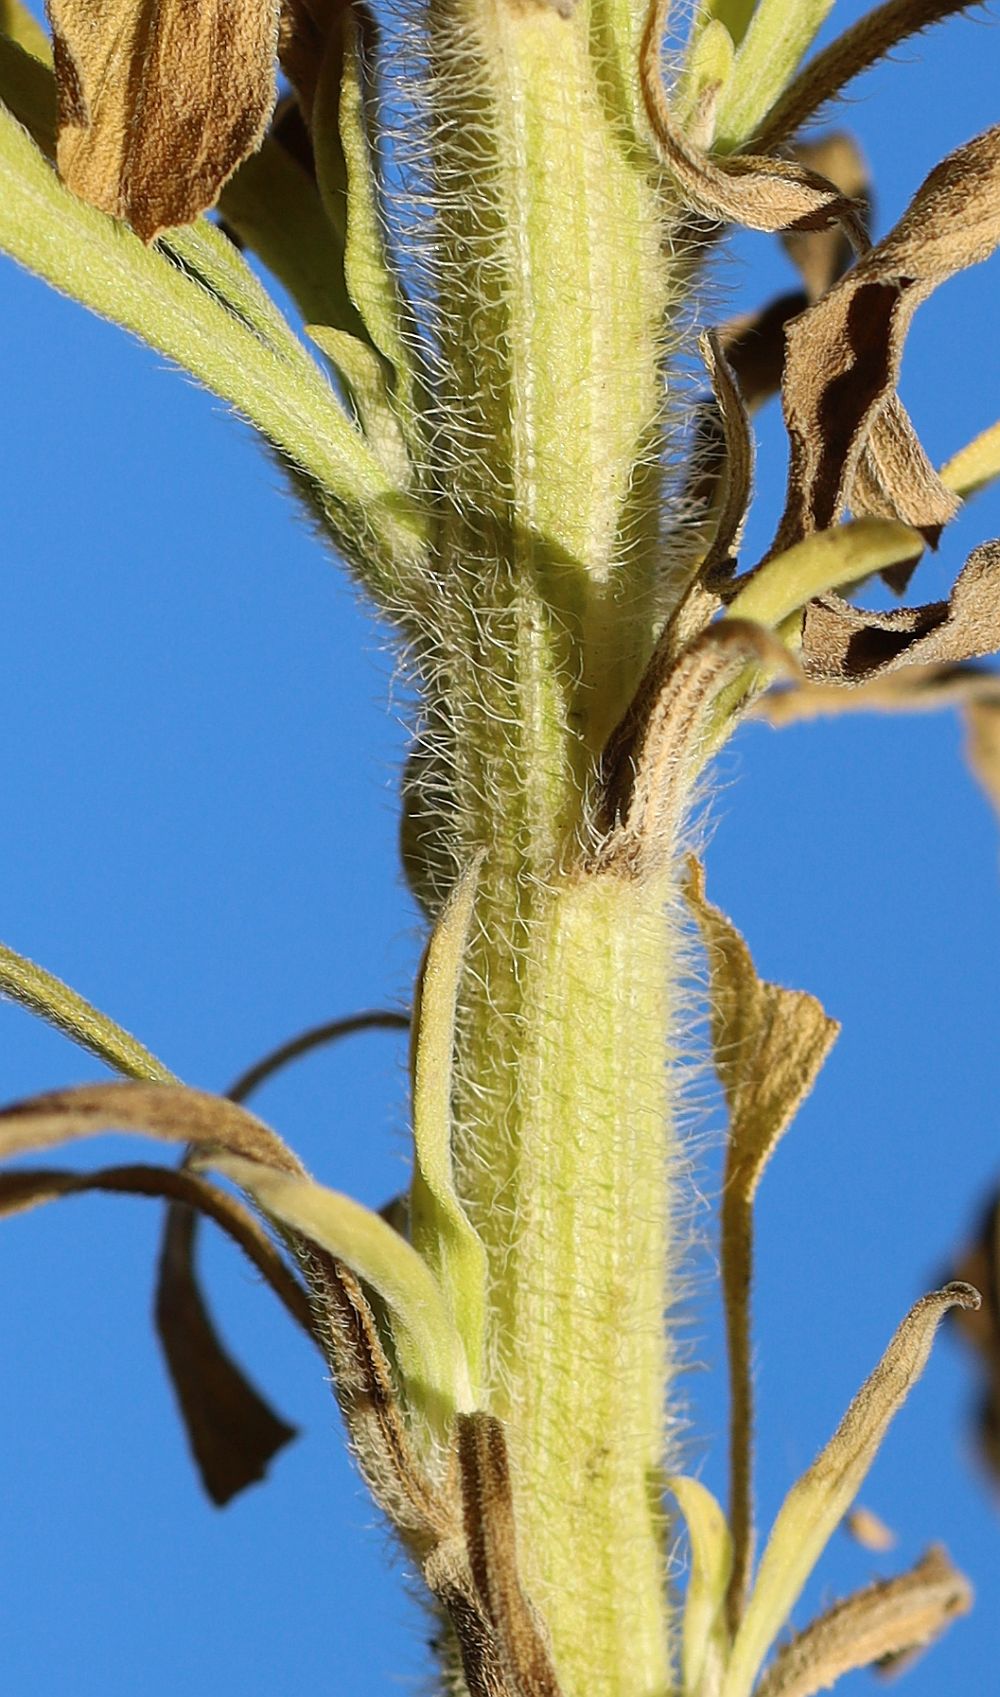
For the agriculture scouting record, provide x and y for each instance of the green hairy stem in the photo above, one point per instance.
(553, 225)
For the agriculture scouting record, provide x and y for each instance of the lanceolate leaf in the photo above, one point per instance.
(817, 1503)
(430, 1355)
(705, 1639)
(160, 100)
(780, 33)
(44, 994)
(893, 1617)
(441, 1230)
(221, 340)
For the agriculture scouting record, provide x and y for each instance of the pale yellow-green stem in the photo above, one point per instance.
(553, 293)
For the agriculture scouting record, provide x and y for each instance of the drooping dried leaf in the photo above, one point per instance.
(821, 256)
(160, 101)
(491, 1543)
(892, 1617)
(171, 1112)
(843, 644)
(843, 357)
(980, 1265)
(754, 344)
(862, 45)
(913, 689)
(232, 1431)
(768, 1045)
(759, 192)
(818, 1501)
(867, 1529)
(737, 475)
(983, 745)
(705, 1639)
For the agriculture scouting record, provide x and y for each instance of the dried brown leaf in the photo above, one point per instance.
(843, 358)
(913, 689)
(650, 759)
(449, 1579)
(983, 745)
(868, 1530)
(754, 345)
(232, 1431)
(759, 192)
(172, 1112)
(737, 472)
(491, 1542)
(160, 101)
(890, 1618)
(842, 644)
(768, 1045)
(821, 256)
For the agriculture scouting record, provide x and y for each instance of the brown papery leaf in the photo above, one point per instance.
(232, 1431)
(866, 1528)
(821, 256)
(844, 353)
(171, 1112)
(846, 645)
(890, 1618)
(652, 755)
(768, 1045)
(160, 101)
(983, 745)
(913, 689)
(758, 192)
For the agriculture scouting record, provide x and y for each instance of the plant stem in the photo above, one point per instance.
(552, 306)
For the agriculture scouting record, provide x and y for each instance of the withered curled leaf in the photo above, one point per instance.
(842, 644)
(821, 256)
(851, 441)
(980, 1328)
(912, 689)
(983, 744)
(768, 1045)
(892, 1617)
(160, 101)
(759, 192)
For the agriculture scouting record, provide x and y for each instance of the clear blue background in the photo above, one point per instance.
(198, 774)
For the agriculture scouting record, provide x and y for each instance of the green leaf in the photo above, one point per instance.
(363, 373)
(201, 306)
(440, 1227)
(44, 994)
(429, 1352)
(779, 35)
(17, 23)
(274, 207)
(818, 1502)
(705, 1641)
(709, 67)
(342, 140)
(829, 559)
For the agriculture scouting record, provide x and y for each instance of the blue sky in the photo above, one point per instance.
(199, 772)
